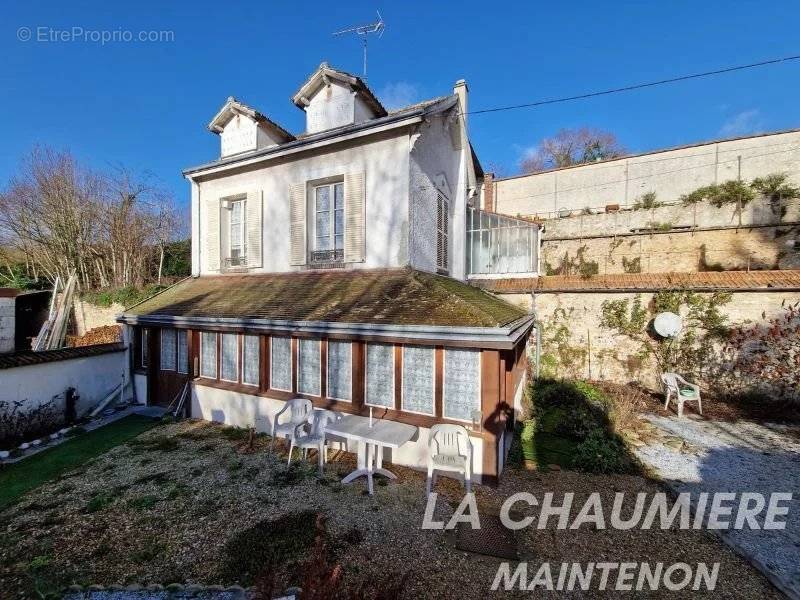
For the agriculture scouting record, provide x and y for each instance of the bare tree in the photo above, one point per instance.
(572, 147)
(107, 229)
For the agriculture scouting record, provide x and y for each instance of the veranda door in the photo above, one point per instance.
(171, 369)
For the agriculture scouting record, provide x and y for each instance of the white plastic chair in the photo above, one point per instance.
(299, 410)
(449, 450)
(683, 390)
(314, 438)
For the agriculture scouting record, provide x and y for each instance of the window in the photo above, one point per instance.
(380, 375)
(442, 232)
(237, 233)
(281, 363)
(208, 355)
(230, 357)
(340, 364)
(168, 349)
(462, 383)
(251, 354)
(308, 367)
(328, 223)
(143, 349)
(418, 379)
(183, 351)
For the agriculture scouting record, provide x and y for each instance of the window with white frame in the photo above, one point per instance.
(280, 357)
(237, 232)
(183, 351)
(442, 232)
(379, 389)
(340, 370)
(462, 383)
(418, 379)
(251, 355)
(308, 367)
(328, 223)
(168, 349)
(230, 357)
(208, 355)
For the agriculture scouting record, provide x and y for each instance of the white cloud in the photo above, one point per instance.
(743, 123)
(398, 94)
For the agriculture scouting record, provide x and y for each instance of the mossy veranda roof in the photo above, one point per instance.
(386, 296)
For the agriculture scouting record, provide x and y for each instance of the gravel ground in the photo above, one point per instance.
(162, 508)
(740, 456)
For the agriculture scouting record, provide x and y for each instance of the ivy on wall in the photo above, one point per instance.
(704, 327)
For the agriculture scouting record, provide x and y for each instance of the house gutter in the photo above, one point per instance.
(500, 338)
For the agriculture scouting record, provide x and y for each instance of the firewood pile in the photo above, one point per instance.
(107, 334)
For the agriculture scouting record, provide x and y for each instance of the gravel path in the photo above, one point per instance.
(737, 457)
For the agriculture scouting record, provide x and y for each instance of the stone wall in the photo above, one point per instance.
(88, 316)
(591, 352)
(669, 173)
(748, 248)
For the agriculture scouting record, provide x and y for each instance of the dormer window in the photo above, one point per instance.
(328, 223)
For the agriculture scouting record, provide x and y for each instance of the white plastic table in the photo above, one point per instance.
(382, 434)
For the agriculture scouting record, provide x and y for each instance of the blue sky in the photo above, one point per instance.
(146, 105)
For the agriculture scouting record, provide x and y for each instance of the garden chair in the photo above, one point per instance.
(683, 390)
(449, 450)
(299, 409)
(314, 438)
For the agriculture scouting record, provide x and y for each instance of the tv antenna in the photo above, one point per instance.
(364, 30)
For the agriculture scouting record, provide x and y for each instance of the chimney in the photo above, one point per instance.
(461, 90)
(488, 192)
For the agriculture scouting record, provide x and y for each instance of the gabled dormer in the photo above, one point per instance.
(333, 98)
(244, 129)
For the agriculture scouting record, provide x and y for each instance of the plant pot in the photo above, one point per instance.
(4, 454)
(24, 446)
(36, 442)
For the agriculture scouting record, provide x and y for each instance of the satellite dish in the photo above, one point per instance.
(667, 324)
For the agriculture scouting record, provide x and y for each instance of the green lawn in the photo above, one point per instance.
(544, 446)
(23, 476)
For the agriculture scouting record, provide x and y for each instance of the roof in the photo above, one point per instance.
(645, 282)
(376, 296)
(29, 357)
(232, 107)
(649, 152)
(416, 110)
(325, 72)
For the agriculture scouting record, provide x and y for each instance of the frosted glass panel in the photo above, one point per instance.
(208, 355)
(167, 349)
(183, 351)
(308, 370)
(230, 357)
(251, 350)
(380, 375)
(340, 370)
(462, 388)
(418, 377)
(281, 361)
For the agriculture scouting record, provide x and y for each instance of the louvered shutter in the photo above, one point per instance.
(354, 209)
(254, 229)
(212, 234)
(297, 223)
(442, 232)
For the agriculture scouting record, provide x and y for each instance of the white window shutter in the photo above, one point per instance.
(354, 209)
(212, 234)
(254, 229)
(297, 223)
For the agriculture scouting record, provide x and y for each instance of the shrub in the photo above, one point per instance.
(574, 408)
(601, 453)
(775, 186)
(647, 201)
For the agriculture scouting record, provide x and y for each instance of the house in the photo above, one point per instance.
(332, 264)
